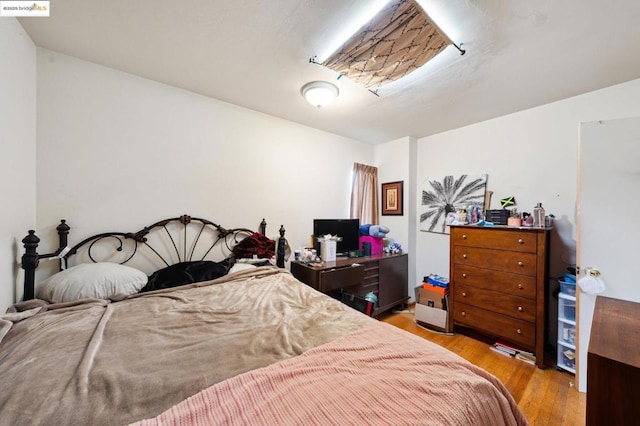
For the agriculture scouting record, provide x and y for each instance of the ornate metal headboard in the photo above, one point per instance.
(166, 242)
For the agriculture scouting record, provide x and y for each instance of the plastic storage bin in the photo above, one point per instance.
(566, 332)
(567, 288)
(566, 307)
(567, 359)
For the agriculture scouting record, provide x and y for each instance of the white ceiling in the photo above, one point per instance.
(255, 54)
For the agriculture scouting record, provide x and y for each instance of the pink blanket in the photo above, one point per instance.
(377, 375)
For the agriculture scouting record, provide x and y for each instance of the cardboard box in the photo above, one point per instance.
(435, 289)
(435, 318)
(431, 316)
(430, 298)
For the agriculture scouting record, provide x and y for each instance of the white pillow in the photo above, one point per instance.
(241, 267)
(91, 280)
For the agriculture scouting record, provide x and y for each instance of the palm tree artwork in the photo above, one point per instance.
(439, 198)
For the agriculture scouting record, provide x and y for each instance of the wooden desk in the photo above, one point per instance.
(384, 274)
(613, 363)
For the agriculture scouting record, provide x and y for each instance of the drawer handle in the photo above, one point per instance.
(520, 264)
(520, 308)
(519, 331)
(464, 275)
(464, 256)
(463, 313)
(464, 294)
(521, 241)
(464, 236)
(520, 286)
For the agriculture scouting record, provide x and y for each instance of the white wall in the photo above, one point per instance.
(531, 155)
(392, 160)
(117, 152)
(17, 151)
(396, 161)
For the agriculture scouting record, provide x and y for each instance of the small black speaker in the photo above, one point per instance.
(366, 248)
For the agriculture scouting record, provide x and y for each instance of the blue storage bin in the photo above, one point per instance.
(567, 288)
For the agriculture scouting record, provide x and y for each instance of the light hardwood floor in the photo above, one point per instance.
(546, 397)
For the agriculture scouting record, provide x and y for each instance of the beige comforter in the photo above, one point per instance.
(100, 362)
(379, 375)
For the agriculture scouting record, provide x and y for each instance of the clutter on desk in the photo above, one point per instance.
(510, 216)
(307, 255)
(393, 248)
(498, 217)
(377, 231)
(508, 202)
(372, 239)
(464, 215)
(514, 218)
(328, 246)
(507, 216)
(371, 245)
(538, 216)
(527, 219)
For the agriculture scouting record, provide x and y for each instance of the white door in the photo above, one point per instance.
(608, 233)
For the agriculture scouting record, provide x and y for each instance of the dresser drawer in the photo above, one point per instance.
(514, 240)
(516, 307)
(497, 260)
(371, 273)
(333, 279)
(505, 282)
(511, 329)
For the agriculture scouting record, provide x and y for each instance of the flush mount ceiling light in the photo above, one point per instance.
(319, 93)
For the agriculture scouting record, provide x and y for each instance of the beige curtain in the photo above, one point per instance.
(399, 40)
(364, 194)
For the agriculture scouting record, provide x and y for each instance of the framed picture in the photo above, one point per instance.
(392, 198)
(442, 196)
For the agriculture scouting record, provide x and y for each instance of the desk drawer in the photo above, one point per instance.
(510, 329)
(333, 279)
(516, 307)
(505, 282)
(498, 260)
(371, 273)
(513, 240)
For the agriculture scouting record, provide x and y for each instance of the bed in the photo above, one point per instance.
(252, 346)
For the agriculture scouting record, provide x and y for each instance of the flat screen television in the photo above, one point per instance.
(348, 229)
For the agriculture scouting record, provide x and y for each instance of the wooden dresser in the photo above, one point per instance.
(498, 276)
(385, 275)
(613, 363)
